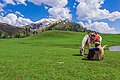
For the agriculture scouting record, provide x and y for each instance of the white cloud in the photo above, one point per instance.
(60, 13)
(2, 14)
(74, 6)
(21, 2)
(9, 2)
(45, 7)
(90, 9)
(53, 3)
(14, 20)
(58, 7)
(23, 21)
(101, 27)
(13, 2)
(10, 11)
(114, 16)
(18, 13)
(1, 7)
(58, 10)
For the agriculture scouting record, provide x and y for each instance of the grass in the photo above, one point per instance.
(49, 56)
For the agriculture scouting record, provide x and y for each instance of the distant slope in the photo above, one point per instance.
(53, 24)
(9, 31)
(41, 23)
(67, 26)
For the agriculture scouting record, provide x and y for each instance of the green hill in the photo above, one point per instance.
(49, 56)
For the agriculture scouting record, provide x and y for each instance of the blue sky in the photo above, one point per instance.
(35, 10)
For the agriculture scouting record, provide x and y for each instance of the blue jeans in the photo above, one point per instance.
(94, 49)
(92, 52)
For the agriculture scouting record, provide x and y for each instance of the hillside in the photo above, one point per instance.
(10, 31)
(53, 24)
(67, 26)
(49, 56)
(75, 37)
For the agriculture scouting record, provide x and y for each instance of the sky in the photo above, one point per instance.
(97, 15)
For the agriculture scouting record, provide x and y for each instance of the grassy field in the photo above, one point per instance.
(49, 56)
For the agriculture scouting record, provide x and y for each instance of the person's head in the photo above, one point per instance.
(97, 44)
(88, 33)
(92, 36)
(96, 33)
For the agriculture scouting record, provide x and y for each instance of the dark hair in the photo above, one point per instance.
(93, 35)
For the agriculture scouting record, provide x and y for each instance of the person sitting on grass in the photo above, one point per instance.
(96, 53)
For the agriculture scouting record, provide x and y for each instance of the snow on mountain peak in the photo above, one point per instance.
(46, 20)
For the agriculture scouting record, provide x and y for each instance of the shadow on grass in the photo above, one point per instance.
(85, 58)
(89, 59)
(78, 54)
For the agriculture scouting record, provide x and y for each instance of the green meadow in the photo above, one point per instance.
(51, 56)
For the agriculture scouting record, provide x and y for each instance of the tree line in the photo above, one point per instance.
(9, 31)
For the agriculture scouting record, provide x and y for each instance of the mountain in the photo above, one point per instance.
(10, 31)
(46, 20)
(42, 23)
(67, 26)
(53, 24)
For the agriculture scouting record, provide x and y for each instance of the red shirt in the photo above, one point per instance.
(96, 38)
